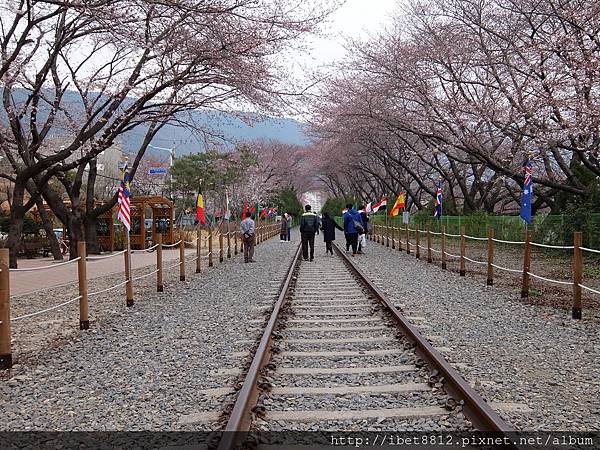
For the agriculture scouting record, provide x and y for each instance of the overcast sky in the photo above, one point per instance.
(355, 19)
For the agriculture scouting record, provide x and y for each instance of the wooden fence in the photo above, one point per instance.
(226, 244)
(405, 238)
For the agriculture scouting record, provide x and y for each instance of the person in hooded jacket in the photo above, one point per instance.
(353, 225)
(328, 225)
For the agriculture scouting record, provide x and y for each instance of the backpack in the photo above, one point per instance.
(360, 229)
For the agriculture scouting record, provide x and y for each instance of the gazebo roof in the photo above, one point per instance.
(154, 201)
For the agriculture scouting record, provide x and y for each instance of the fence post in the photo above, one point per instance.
(429, 259)
(228, 240)
(526, 265)
(5, 335)
(407, 240)
(417, 242)
(182, 259)
(577, 274)
(235, 243)
(393, 237)
(128, 280)
(84, 322)
(198, 250)
(377, 234)
(463, 269)
(221, 253)
(159, 263)
(210, 249)
(490, 258)
(387, 236)
(443, 228)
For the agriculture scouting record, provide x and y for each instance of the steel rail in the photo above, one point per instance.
(483, 417)
(239, 422)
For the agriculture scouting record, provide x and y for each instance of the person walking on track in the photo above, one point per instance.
(309, 224)
(248, 230)
(362, 237)
(283, 231)
(328, 225)
(353, 225)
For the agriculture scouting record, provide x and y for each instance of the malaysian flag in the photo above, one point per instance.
(438, 201)
(527, 192)
(124, 202)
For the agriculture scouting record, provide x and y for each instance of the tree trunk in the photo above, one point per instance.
(75, 231)
(49, 228)
(17, 213)
(89, 224)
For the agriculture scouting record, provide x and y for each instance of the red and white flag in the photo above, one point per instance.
(382, 204)
(124, 214)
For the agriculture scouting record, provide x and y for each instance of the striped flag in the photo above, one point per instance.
(124, 214)
(200, 217)
(382, 204)
(400, 201)
(438, 201)
(527, 196)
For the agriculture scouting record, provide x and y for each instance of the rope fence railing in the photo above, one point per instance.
(98, 258)
(172, 245)
(506, 269)
(53, 266)
(204, 250)
(381, 234)
(91, 294)
(567, 283)
(146, 250)
(43, 311)
(509, 242)
(587, 288)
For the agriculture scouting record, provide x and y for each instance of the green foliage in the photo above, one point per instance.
(30, 225)
(208, 171)
(4, 224)
(287, 202)
(335, 205)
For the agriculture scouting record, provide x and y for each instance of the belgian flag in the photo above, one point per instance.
(200, 217)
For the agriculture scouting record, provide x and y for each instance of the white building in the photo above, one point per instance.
(315, 199)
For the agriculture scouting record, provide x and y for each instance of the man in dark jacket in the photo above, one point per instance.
(309, 224)
(353, 225)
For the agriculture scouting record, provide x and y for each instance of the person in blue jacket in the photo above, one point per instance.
(353, 226)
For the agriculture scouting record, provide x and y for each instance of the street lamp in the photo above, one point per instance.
(171, 159)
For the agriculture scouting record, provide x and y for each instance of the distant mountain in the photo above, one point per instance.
(223, 130)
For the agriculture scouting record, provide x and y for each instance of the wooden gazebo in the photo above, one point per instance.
(105, 230)
(162, 221)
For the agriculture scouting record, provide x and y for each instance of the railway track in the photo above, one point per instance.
(337, 355)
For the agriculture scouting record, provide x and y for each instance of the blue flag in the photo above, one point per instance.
(437, 212)
(527, 193)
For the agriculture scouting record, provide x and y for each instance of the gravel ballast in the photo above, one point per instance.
(509, 351)
(144, 367)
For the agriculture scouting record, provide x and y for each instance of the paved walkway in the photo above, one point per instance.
(31, 281)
